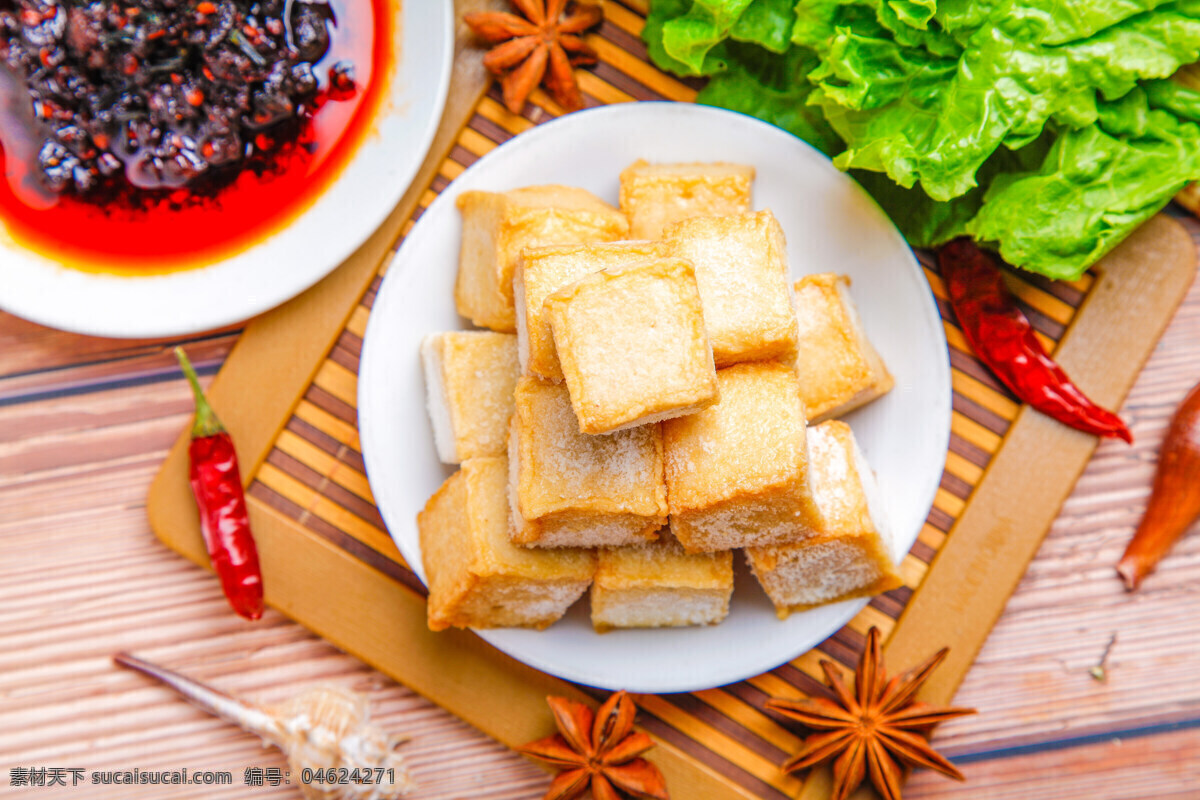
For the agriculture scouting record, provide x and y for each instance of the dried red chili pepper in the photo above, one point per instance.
(1001, 335)
(1175, 500)
(217, 487)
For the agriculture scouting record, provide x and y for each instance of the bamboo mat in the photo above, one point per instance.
(308, 483)
(315, 475)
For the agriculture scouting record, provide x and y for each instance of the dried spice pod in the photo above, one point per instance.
(543, 45)
(322, 728)
(874, 729)
(1175, 499)
(597, 752)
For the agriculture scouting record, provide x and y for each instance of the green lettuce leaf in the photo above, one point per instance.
(1043, 128)
(687, 36)
(773, 88)
(669, 13)
(1094, 187)
(913, 13)
(926, 222)
(933, 119)
(767, 23)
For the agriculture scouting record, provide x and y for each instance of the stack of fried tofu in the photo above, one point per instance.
(652, 395)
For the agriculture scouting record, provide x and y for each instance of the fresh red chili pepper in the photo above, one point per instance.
(217, 487)
(1175, 500)
(1001, 335)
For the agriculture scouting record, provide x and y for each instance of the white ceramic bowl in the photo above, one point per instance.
(283, 264)
(831, 225)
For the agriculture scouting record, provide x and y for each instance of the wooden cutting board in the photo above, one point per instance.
(287, 393)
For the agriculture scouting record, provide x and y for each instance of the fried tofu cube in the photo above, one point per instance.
(542, 271)
(654, 196)
(659, 585)
(738, 472)
(839, 369)
(741, 268)
(632, 345)
(477, 578)
(569, 489)
(498, 225)
(469, 381)
(855, 551)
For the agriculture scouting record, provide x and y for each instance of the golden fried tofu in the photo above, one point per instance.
(477, 578)
(839, 369)
(741, 268)
(659, 585)
(738, 472)
(632, 345)
(656, 195)
(570, 489)
(541, 271)
(854, 551)
(498, 225)
(469, 381)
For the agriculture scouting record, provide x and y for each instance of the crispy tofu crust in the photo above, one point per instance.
(632, 345)
(659, 585)
(742, 272)
(470, 376)
(839, 368)
(654, 196)
(541, 271)
(853, 553)
(738, 472)
(648, 380)
(575, 490)
(498, 225)
(477, 578)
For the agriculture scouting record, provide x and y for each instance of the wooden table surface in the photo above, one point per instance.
(85, 422)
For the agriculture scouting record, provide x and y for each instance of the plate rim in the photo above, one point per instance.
(54, 315)
(841, 612)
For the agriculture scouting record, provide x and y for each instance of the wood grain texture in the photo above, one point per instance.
(1163, 766)
(27, 348)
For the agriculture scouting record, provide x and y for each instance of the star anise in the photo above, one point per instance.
(874, 728)
(544, 44)
(601, 750)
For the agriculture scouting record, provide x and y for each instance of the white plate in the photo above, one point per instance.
(285, 263)
(831, 225)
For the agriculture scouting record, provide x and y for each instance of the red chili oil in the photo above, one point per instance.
(185, 229)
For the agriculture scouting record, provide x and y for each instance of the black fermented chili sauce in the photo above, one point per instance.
(134, 132)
